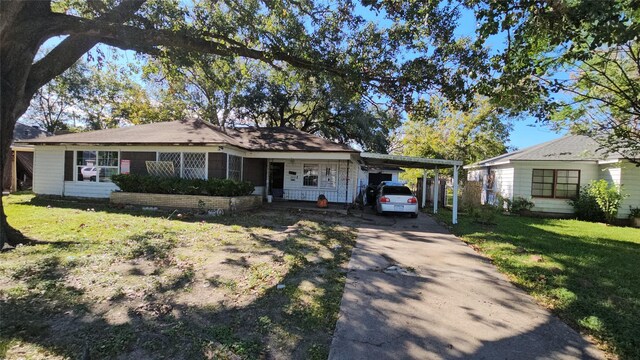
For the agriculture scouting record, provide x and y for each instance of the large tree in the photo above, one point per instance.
(319, 36)
(56, 104)
(442, 131)
(317, 104)
(569, 61)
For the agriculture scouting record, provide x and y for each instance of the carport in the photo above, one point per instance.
(382, 160)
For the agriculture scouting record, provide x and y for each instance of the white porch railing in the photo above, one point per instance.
(312, 195)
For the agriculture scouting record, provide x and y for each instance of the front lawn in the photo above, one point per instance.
(587, 273)
(114, 283)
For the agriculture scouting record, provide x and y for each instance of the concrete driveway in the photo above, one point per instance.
(414, 291)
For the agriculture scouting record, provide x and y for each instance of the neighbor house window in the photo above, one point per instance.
(559, 184)
(185, 165)
(96, 166)
(310, 175)
(235, 168)
(328, 175)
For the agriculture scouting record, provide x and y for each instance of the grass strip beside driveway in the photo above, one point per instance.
(587, 273)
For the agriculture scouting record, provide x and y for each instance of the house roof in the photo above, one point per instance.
(189, 132)
(567, 148)
(381, 160)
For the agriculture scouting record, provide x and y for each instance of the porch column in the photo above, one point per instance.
(266, 185)
(436, 187)
(424, 188)
(14, 171)
(454, 218)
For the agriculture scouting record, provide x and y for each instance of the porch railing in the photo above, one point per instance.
(312, 195)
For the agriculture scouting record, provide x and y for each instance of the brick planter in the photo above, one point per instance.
(226, 204)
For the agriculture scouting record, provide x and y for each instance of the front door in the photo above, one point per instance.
(276, 179)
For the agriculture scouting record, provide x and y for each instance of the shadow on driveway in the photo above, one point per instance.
(449, 303)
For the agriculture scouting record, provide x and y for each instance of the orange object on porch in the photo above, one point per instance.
(322, 201)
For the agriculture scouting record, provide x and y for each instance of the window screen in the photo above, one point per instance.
(310, 175)
(235, 167)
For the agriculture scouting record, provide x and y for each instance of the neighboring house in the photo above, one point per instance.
(284, 162)
(18, 171)
(552, 173)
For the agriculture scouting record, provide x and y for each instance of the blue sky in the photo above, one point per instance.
(527, 133)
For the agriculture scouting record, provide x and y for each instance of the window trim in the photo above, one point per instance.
(554, 184)
(241, 166)
(181, 175)
(76, 166)
(317, 165)
(322, 173)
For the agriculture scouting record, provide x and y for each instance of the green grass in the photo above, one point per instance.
(122, 283)
(588, 274)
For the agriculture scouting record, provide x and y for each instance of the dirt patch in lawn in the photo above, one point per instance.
(111, 284)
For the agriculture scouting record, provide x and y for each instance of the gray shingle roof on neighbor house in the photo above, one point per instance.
(200, 133)
(567, 148)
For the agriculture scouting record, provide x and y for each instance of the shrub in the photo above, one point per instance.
(485, 214)
(162, 185)
(598, 201)
(519, 204)
(634, 212)
(586, 207)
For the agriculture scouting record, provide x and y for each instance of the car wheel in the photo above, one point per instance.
(414, 215)
(93, 178)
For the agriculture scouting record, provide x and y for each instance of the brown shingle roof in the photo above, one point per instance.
(200, 133)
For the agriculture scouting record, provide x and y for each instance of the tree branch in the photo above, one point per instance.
(72, 48)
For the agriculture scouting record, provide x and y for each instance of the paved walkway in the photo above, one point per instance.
(455, 306)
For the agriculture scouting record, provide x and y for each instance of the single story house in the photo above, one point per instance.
(18, 170)
(283, 162)
(552, 173)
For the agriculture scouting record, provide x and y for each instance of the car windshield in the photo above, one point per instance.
(396, 190)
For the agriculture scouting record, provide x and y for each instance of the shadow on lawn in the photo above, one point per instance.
(595, 287)
(57, 317)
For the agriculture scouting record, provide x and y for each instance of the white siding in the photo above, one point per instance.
(89, 189)
(502, 185)
(611, 173)
(295, 190)
(504, 181)
(630, 180)
(48, 170)
(476, 174)
(523, 176)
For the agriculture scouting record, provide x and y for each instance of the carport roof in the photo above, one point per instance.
(373, 159)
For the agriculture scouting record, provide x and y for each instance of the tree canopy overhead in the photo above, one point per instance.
(404, 48)
(568, 61)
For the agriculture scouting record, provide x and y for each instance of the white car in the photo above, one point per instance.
(396, 198)
(89, 173)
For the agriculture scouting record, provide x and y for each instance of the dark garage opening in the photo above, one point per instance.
(376, 179)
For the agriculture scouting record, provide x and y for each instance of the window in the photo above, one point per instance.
(559, 184)
(310, 175)
(175, 158)
(186, 165)
(96, 166)
(194, 165)
(235, 168)
(328, 176)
